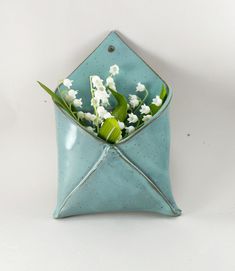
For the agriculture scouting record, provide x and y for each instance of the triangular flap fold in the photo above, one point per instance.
(132, 69)
(106, 191)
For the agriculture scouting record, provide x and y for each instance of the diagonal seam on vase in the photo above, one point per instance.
(85, 178)
(176, 211)
(96, 165)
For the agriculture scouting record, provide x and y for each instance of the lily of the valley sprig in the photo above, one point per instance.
(109, 123)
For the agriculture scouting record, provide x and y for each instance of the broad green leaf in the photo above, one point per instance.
(120, 111)
(154, 108)
(57, 99)
(110, 130)
(163, 93)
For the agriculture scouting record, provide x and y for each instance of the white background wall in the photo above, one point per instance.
(191, 44)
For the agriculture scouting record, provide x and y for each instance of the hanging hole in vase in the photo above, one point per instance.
(111, 48)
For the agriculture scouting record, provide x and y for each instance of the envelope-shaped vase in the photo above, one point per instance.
(132, 175)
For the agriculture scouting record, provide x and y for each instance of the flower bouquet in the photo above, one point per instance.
(113, 135)
(111, 123)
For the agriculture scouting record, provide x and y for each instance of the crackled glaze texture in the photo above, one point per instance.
(130, 176)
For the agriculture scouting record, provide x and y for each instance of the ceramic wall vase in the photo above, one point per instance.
(133, 175)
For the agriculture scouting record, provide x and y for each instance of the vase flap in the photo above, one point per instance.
(132, 70)
(114, 185)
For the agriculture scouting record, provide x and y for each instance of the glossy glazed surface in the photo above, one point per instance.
(130, 176)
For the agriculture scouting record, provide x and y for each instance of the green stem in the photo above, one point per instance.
(94, 106)
(137, 124)
(142, 101)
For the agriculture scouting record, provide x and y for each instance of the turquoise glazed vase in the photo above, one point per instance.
(133, 175)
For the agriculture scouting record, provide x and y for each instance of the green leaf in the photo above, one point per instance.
(110, 130)
(58, 100)
(154, 108)
(163, 93)
(120, 111)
